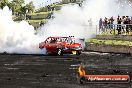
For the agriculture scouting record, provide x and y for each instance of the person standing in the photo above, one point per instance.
(111, 24)
(105, 23)
(100, 24)
(131, 24)
(119, 20)
(127, 24)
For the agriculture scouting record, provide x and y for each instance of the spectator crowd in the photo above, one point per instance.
(123, 24)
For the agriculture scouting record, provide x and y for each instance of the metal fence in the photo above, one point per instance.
(110, 29)
(116, 28)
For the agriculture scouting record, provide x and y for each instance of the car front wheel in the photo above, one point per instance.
(78, 53)
(59, 52)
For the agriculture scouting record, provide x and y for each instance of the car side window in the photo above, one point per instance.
(53, 40)
(48, 40)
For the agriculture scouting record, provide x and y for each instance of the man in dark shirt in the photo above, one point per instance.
(127, 22)
(100, 24)
(119, 20)
(105, 23)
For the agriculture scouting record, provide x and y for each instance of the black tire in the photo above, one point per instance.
(82, 80)
(78, 53)
(59, 52)
(47, 53)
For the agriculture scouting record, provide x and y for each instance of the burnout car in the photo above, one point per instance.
(61, 45)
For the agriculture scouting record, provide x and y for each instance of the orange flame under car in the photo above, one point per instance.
(81, 71)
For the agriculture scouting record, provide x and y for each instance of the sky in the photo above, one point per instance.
(40, 3)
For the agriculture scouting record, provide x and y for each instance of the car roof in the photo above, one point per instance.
(58, 37)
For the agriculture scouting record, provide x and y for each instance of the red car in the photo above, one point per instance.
(61, 45)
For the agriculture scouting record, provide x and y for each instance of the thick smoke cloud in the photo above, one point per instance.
(17, 37)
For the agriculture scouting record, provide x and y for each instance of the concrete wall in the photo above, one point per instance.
(71, 1)
(43, 16)
(109, 48)
(115, 37)
(39, 16)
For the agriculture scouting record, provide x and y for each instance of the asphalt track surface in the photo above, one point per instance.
(38, 71)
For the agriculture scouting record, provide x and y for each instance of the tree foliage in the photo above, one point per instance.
(30, 7)
(3, 3)
(18, 7)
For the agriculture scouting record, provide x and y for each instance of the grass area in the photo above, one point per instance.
(40, 13)
(110, 42)
(57, 5)
(32, 21)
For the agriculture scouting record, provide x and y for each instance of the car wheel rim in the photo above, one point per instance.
(59, 52)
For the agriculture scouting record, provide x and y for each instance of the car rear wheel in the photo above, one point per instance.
(82, 80)
(46, 52)
(78, 53)
(59, 52)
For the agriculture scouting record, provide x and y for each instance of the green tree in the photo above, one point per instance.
(23, 10)
(3, 3)
(12, 7)
(9, 4)
(19, 2)
(30, 7)
(17, 6)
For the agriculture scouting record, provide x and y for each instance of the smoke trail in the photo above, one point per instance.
(17, 37)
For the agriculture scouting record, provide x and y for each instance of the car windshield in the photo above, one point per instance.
(66, 39)
(60, 39)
